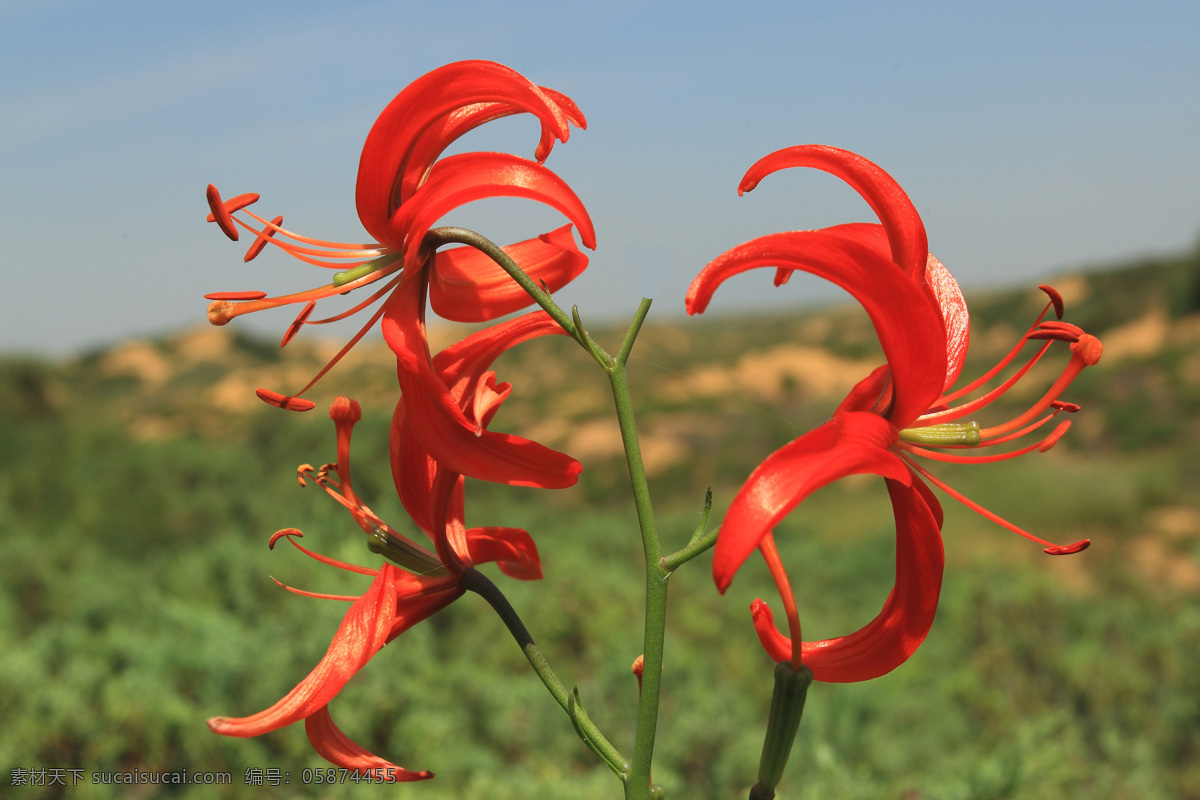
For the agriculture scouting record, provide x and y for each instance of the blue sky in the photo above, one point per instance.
(1032, 137)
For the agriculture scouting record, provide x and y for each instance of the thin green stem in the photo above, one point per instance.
(701, 540)
(637, 786)
(474, 581)
(694, 548)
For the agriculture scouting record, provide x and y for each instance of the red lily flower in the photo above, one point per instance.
(395, 601)
(403, 189)
(921, 320)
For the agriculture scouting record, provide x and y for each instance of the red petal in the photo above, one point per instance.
(387, 154)
(363, 631)
(512, 549)
(954, 316)
(849, 444)
(467, 286)
(461, 179)
(895, 634)
(445, 432)
(900, 219)
(338, 748)
(906, 317)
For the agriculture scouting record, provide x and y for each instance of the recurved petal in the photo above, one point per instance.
(905, 231)
(954, 316)
(905, 315)
(445, 432)
(387, 157)
(467, 286)
(849, 444)
(462, 364)
(339, 749)
(457, 180)
(512, 549)
(365, 628)
(895, 634)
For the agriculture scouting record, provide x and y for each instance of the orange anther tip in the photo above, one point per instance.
(285, 532)
(1055, 299)
(636, 669)
(298, 323)
(220, 214)
(264, 236)
(284, 401)
(1069, 549)
(345, 409)
(235, 296)
(1063, 405)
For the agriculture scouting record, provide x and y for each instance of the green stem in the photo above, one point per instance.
(637, 787)
(474, 581)
(695, 547)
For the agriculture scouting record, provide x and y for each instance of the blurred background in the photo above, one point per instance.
(141, 478)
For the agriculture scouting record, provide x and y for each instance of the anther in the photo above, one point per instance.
(1055, 299)
(298, 323)
(1068, 549)
(221, 211)
(286, 402)
(235, 295)
(264, 236)
(285, 532)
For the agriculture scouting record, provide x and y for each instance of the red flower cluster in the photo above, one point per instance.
(919, 315)
(404, 186)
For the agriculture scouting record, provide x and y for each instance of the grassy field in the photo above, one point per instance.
(140, 485)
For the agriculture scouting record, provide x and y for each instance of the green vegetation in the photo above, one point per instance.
(140, 485)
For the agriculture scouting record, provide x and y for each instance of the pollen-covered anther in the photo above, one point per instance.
(220, 211)
(304, 471)
(285, 532)
(264, 236)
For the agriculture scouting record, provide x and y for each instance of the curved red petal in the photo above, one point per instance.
(364, 630)
(906, 617)
(905, 231)
(445, 431)
(849, 444)
(512, 549)
(457, 180)
(387, 156)
(339, 749)
(954, 316)
(905, 315)
(468, 286)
